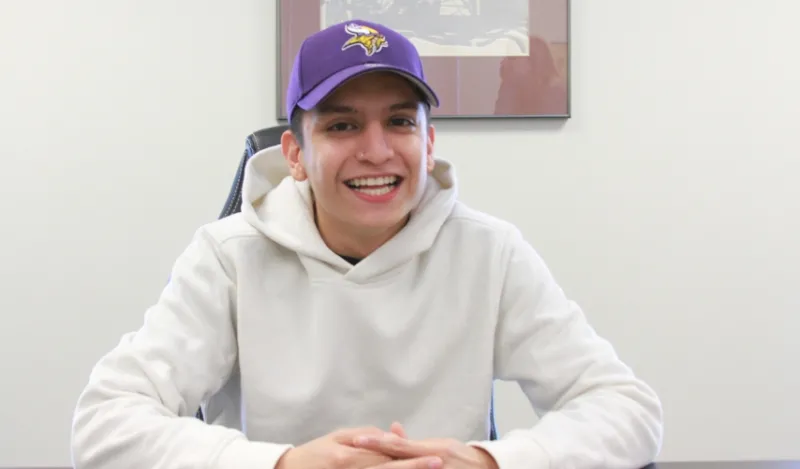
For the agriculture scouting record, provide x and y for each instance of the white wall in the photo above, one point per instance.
(667, 205)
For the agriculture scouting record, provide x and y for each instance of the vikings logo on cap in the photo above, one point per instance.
(367, 38)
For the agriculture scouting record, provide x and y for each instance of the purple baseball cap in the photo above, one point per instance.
(330, 57)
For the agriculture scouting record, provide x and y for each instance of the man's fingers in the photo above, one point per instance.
(398, 430)
(425, 462)
(365, 457)
(388, 444)
(395, 446)
(346, 435)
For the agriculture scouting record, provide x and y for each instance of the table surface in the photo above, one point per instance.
(726, 465)
(661, 465)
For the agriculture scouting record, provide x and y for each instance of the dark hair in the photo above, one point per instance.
(296, 125)
(296, 122)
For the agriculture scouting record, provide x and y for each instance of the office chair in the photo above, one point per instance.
(254, 143)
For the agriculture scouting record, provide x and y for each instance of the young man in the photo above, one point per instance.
(355, 314)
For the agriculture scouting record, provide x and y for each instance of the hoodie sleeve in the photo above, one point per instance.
(137, 410)
(594, 412)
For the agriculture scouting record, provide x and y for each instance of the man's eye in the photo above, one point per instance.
(340, 127)
(402, 121)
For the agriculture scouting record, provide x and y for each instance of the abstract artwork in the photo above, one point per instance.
(484, 58)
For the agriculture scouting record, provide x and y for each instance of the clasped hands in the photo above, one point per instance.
(372, 448)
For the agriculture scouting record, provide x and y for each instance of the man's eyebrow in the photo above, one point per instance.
(412, 105)
(335, 109)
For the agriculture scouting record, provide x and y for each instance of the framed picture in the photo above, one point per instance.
(484, 58)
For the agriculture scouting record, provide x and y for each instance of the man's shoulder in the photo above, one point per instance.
(231, 228)
(472, 221)
(472, 239)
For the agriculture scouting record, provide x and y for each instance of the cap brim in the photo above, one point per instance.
(321, 91)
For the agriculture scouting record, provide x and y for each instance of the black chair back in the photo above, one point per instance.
(254, 143)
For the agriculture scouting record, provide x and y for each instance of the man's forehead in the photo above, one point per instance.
(344, 106)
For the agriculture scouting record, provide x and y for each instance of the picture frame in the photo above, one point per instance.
(484, 58)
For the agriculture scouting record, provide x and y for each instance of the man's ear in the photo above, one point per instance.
(429, 162)
(293, 154)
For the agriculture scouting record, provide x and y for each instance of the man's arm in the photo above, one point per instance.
(137, 411)
(597, 414)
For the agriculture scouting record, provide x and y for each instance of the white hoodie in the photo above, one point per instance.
(286, 342)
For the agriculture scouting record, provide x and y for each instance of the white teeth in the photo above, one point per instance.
(372, 182)
(376, 191)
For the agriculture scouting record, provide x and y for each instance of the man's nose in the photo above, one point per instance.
(375, 146)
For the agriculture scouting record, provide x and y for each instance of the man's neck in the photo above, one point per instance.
(353, 242)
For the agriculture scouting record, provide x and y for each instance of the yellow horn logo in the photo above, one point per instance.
(367, 38)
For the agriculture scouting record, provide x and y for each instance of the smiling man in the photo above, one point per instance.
(355, 314)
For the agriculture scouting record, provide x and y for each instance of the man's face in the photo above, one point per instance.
(368, 150)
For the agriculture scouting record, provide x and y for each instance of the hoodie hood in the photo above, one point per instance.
(281, 208)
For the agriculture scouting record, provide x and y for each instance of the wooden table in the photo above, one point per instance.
(726, 465)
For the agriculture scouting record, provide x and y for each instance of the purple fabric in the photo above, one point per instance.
(330, 57)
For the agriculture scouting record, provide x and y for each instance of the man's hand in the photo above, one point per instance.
(335, 451)
(424, 454)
